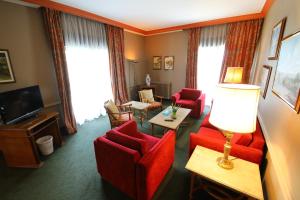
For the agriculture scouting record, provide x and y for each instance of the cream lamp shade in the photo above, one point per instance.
(235, 108)
(234, 75)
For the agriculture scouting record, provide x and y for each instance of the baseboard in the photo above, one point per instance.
(280, 175)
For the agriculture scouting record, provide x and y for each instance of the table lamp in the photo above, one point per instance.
(233, 75)
(234, 111)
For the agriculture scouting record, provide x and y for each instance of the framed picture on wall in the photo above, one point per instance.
(157, 62)
(169, 62)
(265, 79)
(6, 72)
(276, 38)
(287, 78)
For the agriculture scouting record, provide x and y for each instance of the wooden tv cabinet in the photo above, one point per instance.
(17, 141)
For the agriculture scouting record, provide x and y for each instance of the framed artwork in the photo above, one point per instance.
(276, 38)
(265, 79)
(169, 62)
(287, 78)
(157, 62)
(6, 72)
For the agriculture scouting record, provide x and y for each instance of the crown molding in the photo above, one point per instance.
(92, 16)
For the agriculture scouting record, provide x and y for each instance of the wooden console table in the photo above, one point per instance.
(17, 141)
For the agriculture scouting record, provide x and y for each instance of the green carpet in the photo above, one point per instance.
(70, 173)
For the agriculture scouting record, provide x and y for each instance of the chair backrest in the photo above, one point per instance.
(190, 94)
(111, 110)
(146, 96)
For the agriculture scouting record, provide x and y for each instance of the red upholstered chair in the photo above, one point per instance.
(134, 162)
(192, 99)
(245, 146)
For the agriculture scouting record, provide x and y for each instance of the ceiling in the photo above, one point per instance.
(157, 14)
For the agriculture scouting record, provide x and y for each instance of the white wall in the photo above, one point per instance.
(280, 123)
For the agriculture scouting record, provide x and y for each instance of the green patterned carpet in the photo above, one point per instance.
(70, 173)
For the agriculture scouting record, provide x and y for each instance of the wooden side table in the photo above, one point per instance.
(244, 178)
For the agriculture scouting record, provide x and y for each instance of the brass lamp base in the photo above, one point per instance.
(226, 164)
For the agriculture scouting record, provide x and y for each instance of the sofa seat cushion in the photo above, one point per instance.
(150, 140)
(242, 139)
(211, 133)
(134, 143)
(186, 103)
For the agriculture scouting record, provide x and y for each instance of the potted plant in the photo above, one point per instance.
(175, 107)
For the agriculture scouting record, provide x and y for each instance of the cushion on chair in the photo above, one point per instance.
(147, 96)
(124, 117)
(154, 105)
(150, 140)
(137, 144)
(242, 139)
(191, 94)
(186, 103)
(212, 133)
(111, 106)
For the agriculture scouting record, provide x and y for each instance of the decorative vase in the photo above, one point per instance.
(173, 116)
(148, 80)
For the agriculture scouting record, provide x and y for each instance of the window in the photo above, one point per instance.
(210, 58)
(89, 81)
(88, 66)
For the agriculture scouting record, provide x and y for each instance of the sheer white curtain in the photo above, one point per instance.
(88, 66)
(210, 58)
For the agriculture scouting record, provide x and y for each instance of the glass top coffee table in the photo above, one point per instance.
(159, 119)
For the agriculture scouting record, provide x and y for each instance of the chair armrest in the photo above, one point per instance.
(175, 97)
(244, 152)
(153, 166)
(201, 102)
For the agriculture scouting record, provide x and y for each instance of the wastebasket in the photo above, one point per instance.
(45, 145)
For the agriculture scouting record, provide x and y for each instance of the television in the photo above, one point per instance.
(20, 104)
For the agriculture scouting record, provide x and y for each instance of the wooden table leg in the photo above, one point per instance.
(152, 129)
(192, 186)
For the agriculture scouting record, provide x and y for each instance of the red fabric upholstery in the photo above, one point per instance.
(131, 142)
(192, 99)
(134, 174)
(190, 94)
(245, 146)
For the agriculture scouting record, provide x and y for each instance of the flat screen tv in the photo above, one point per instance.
(20, 104)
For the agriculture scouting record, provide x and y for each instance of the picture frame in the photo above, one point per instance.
(6, 71)
(286, 83)
(277, 35)
(265, 79)
(169, 62)
(157, 62)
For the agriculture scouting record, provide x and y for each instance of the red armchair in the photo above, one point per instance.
(134, 162)
(245, 146)
(192, 99)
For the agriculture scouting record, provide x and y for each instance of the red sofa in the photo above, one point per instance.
(134, 162)
(245, 146)
(192, 99)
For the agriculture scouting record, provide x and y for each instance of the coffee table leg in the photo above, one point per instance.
(152, 129)
(141, 118)
(192, 186)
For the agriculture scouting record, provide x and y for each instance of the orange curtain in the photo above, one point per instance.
(241, 41)
(192, 58)
(52, 19)
(115, 40)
